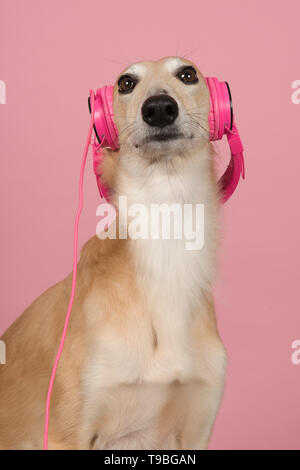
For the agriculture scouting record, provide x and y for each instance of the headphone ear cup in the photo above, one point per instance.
(221, 115)
(105, 128)
(213, 118)
(107, 97)
(221, 121)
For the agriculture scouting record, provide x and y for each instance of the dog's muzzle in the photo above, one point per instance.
(160, 111)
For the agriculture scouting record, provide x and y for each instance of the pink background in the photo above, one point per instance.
(51, 53)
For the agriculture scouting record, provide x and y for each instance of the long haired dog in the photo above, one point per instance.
(143, 366)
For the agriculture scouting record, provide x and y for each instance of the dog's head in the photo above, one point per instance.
(160, 105)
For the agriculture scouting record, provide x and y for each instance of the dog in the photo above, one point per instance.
(143, 366)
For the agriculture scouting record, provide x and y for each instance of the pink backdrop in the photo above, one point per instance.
(51, 53)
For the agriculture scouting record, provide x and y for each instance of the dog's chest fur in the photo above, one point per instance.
(136, 360)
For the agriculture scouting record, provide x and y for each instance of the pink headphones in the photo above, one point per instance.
(221, 122)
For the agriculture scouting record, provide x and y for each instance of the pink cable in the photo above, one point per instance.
(75, 255)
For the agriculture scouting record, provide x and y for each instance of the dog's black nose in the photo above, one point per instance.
(160, 110)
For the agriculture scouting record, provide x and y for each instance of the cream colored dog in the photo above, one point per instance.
(143, 365)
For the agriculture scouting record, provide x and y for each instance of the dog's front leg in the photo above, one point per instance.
(201, 401)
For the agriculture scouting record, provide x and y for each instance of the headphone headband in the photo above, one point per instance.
(221, 122)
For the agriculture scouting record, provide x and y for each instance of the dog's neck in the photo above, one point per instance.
(171, 278)
(181, 179)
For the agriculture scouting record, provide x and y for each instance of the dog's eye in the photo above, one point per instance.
(188, 75)
(126, 84)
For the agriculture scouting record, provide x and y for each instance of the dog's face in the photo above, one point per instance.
(161, 105)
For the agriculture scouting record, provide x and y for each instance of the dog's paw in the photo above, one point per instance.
(169, 366)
